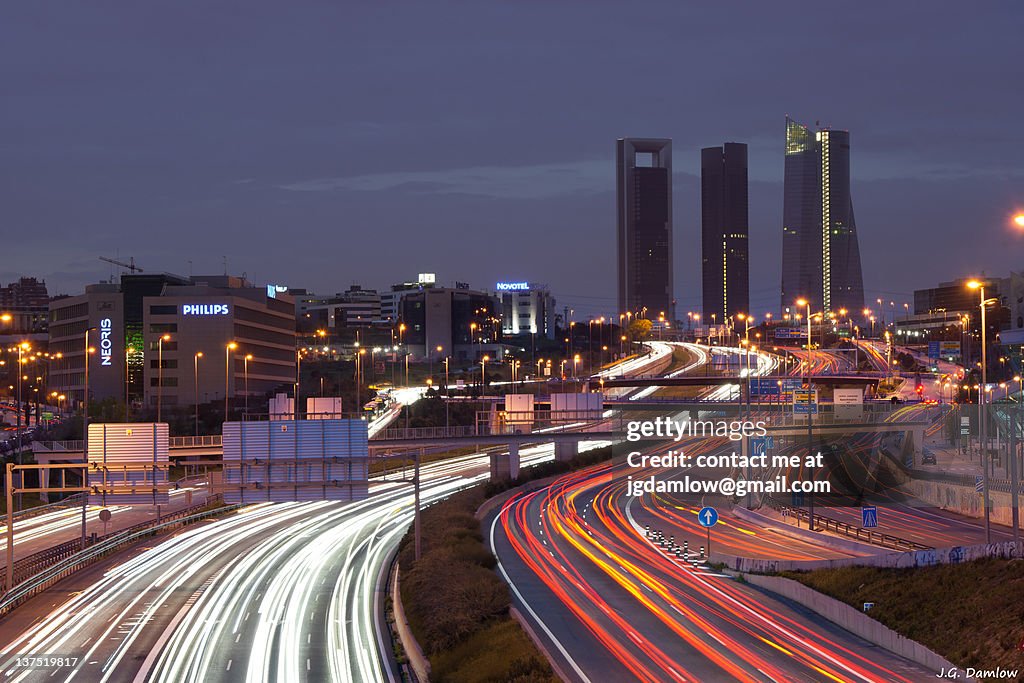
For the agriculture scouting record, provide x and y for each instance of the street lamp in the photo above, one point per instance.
(127, 354)
(159, 375)
(195, 364)
(245, 370)
(1018, 220)
(810, 416)
(22, 347)
(483, 374)
(228, 348)
(980, 286)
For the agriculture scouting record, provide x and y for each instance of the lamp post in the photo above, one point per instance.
(85, 432)
(245, 370)
(195, 364)
(483, 374)
(22, 347)
(980, 286)
(127, 354)
(228, 348)
(810, 417)
(159, 375)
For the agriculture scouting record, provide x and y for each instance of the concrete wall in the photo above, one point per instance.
(853, 620)
(963, 500)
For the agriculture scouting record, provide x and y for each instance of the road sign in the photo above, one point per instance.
(104, 515)
(868, 605)
(933, 349)
(761, 444)
(708, 517)
(805, 401)
(979, 484)
(762, 386)
(869, 517)
(798, 499)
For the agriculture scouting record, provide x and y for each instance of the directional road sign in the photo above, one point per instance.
(708, 517)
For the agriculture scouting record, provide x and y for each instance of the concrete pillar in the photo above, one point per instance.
(505, 466)
(513, 460)
(566, 450)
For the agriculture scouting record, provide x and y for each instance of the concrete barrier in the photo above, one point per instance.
(417, 661)
(963, 500)
(853, 620)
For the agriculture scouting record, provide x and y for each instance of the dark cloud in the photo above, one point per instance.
(321, 143)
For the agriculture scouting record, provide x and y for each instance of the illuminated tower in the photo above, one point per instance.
(644, 193)
(820, 253)
(724, 245)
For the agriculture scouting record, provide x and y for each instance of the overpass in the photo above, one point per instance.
(698, 381)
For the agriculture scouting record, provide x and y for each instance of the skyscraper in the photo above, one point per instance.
(644, 189)
(820, 253)
(724, 245)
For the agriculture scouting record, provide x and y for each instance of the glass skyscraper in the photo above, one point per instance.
(644, 203)
(820, 253)
(725, 253)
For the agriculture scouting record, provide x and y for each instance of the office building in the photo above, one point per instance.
(644, 206)
(356, 307)
(526, 308)
(724, 225)
(391, 301)
(100, 313)
(199, 314)
(820, 252)
(206, 316)
(463, 323)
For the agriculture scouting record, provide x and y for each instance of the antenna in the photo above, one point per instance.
(225, 259)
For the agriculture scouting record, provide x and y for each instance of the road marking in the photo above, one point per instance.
(229, 665)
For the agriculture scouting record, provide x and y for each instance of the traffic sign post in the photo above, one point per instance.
(805, 401)
(708, 517)
(869, 517)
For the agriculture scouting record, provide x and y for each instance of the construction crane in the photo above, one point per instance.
(130, 265)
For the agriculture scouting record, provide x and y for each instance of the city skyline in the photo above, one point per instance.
(239, 144)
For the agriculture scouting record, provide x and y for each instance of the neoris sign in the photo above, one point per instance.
(106, 343)
(204, 309)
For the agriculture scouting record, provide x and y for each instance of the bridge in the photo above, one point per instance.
(864, 379)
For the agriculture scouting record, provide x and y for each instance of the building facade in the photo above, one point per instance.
(462, 323)
(98, 313)
(820, 250)
(206, 316)
(526, 308)
(644, 208)
(725, 254)
(126, 323)
(27, 303)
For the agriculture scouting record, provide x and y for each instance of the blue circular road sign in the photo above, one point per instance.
(707, 517)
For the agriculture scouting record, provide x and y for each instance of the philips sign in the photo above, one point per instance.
(204, 309)
(106, 343)
(512, 286)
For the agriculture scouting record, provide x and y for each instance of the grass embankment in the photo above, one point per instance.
(456, 604)
(972, 613)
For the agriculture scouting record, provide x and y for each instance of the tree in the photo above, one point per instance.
(639, 329)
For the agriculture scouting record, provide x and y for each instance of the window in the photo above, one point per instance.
(168, 381)
(163, 328)
(163, 310)
(169, 363)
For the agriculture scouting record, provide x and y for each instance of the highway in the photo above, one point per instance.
(613, 607)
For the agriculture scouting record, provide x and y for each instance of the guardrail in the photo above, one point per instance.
(849, 530)
(57, 446)
(74, 500)
(194, 441)
(41, 570)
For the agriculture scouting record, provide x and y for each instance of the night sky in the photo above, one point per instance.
(320, 144)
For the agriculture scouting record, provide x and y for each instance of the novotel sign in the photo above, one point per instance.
(106, 342)
(204, 309)
(512, 286)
